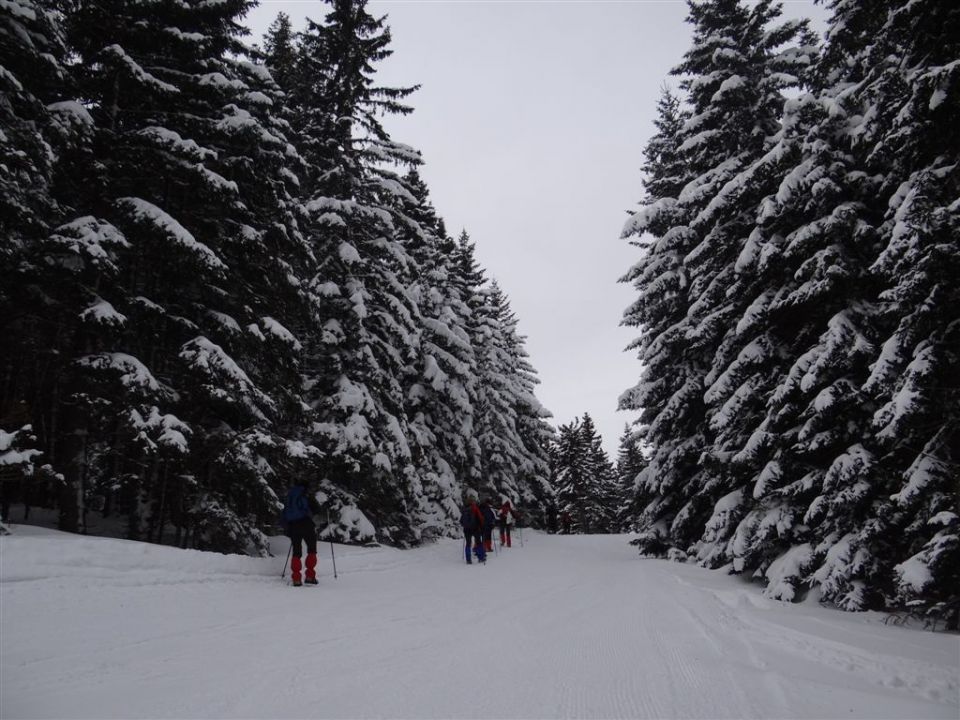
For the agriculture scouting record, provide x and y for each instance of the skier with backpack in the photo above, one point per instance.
(489, 520)
(471, 520)
(507, 517)
(297, 516)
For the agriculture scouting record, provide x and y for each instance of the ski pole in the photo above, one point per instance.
(520, 530)
(289, 552)
(332, 556)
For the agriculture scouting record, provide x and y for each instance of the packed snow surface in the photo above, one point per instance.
(565, 626)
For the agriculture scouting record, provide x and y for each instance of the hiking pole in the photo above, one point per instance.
(333, 557)
(289, 552)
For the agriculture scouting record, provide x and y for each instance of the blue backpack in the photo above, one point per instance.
(467, 519)
(296, 506)
(489, 518)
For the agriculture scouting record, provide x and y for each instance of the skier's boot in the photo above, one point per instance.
(466, 554)
(295, 566)
(311, 578)
(481, 553)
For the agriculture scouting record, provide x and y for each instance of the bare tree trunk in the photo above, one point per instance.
(109, 494)
(73, 449)
(161, 512)
(133, 516)
(144, 504)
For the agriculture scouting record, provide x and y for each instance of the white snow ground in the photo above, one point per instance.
(562, 627)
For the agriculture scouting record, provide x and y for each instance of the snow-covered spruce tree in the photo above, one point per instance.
(536, 433)
(845, 474)
(658, 311)
(279, 51)
(31, 77)
(467, 277)
(734, 76)
(630, 462)
(773, 57)
(831, 449)
(608, 496)
(532, 421)
(511, 426)
(193, 176)
(908, 138)
(753, 76)
(817, 235)
(583, 478)
(496, 426)
(367, 327)
(439, 386)
(516, 464)
(803, 344)
(44, 310)
(569, 472)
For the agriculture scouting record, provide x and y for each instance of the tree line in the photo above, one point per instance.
(591, 490)
(797, 305)
(221, 274)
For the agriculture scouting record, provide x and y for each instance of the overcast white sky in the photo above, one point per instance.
(532, 117)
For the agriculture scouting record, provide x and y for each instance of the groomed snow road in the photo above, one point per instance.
(562, 627)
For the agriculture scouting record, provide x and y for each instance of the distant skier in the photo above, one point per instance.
(489, 520)
(565, 521)
(471, 520)
(297, 514)
(508, 516)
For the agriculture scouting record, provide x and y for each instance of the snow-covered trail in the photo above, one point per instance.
(562, 627)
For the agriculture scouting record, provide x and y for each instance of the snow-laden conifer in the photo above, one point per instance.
(510, 422)
(830, 435)
(440, 385)
(368, 322)
(181, 260)
(907, 134)
(583, 478)
(630, 462)
(734, 76)
(31, 80)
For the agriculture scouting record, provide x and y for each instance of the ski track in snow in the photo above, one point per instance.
(564, 627)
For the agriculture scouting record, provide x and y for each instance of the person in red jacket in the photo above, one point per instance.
(508, 516)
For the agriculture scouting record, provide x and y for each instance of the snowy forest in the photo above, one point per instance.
(797, 305)
(221, 275)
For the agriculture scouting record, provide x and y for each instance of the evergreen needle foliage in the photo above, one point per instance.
(221, 276)
(797, 305)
